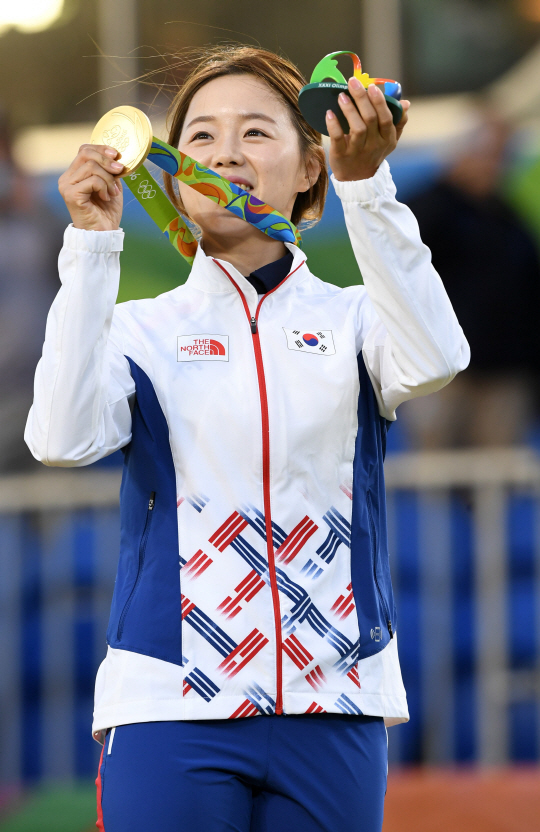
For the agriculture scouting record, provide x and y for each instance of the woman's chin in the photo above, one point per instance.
(222, 223)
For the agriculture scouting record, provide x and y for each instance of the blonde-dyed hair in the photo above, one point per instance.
(286, 81)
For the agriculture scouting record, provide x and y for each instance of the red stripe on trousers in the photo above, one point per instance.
(99, 822)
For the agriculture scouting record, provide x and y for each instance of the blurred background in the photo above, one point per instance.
(463, 469)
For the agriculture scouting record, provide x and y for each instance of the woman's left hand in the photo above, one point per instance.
(372, 136)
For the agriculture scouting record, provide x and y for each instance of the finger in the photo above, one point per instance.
(85, 167)
(357, 126)
(365, 107)
(338, 144)
(93, 168)
(92, 185)
(106, 149)
(384, 116)
(100, 154)
(404, 119)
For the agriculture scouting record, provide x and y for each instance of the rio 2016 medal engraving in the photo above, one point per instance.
(327, 82)
(129, 131)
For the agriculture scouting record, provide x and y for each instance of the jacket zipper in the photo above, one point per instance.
(253, 322)
(375, 558)
(142, 555)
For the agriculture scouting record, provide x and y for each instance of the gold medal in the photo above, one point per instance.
(129, 131)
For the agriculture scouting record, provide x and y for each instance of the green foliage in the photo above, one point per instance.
(151, 266)
(332, 260)
(522, 189)
(55, 809)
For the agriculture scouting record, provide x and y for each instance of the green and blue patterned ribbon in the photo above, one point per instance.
(205, 181)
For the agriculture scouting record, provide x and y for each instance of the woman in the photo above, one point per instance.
(252, 405)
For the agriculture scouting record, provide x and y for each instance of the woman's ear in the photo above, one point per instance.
(312, 170)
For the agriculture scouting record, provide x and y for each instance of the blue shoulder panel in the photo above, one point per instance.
(146, 611)
(370, 568)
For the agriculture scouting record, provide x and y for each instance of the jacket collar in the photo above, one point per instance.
(207, 276)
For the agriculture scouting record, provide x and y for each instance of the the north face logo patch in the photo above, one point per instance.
(318, 341)
(203, 347)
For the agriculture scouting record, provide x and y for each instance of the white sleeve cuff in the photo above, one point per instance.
(366, 190)
(102, 242)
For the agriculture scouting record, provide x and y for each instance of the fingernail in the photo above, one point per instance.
(116, 166)
(110, 151)
(330, 114)
(374, 90)
(354, 83)
(344, 98)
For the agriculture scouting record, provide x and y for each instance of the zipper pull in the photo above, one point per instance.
(253, 326)
(152, 501)
(390, 630)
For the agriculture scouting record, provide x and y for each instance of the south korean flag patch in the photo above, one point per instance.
(318, 341)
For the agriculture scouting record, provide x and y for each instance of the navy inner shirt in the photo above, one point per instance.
(268, 277)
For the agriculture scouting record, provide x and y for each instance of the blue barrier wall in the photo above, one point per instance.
(57, 573)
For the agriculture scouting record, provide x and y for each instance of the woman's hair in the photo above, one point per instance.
(285, 80)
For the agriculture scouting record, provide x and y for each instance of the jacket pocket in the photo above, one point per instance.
(142, 555)
(375, 562)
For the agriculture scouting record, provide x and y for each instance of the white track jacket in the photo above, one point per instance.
(253, 575)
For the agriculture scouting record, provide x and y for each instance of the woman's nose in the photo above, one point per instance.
(227, 152)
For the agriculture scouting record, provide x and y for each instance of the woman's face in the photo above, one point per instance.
(237, 126)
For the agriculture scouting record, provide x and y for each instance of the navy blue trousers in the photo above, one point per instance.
(295, 773)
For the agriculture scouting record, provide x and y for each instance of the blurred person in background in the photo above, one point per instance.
(29, 242)
(489, 265)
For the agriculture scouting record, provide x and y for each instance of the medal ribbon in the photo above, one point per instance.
(205, 181)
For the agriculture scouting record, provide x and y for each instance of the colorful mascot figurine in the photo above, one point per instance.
(327, 82)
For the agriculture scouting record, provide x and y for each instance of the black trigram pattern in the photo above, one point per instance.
(321, 335)
(299, 344)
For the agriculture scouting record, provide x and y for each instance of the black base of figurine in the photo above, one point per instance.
(315, 99)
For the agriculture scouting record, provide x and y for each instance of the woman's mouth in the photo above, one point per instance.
(239, 180)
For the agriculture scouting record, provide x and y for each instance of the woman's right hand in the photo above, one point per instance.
(91, 188)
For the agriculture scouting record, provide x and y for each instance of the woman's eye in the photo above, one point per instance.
(255, 132)
(201, 135)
